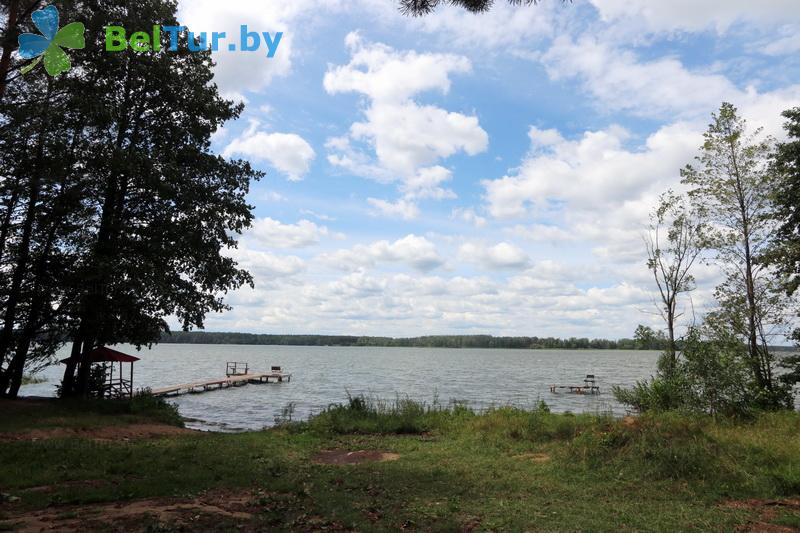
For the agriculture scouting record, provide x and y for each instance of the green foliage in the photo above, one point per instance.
(153, 407)
(646, 338)
(791, 366)
(711, 376)
(118, 214)
(659, 393)
(786, 253)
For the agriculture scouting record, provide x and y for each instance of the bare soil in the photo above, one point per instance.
(210, 511)
(767, 511)
(102, 434)
(344, 457)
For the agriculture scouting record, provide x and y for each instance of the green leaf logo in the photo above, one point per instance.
(49, 44)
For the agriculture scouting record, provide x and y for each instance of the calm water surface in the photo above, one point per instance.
(324, 375)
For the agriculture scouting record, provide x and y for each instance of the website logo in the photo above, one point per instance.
(49, 44)
(118, 40)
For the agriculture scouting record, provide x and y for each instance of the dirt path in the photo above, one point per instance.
(210, 511)
(102, 434)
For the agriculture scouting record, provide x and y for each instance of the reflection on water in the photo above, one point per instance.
(323, 375)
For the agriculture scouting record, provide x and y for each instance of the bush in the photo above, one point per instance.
(155, 407)
(657, 394)
(711, 376)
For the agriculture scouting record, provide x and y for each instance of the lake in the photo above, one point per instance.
(322, 375)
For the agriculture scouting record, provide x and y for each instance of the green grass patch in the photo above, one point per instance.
(505, 469)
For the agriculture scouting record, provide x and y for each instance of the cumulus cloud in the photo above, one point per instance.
(663, 87)
(542, 232)
(401, 140)
(504, 25)
(594, 171)
(412, 250)
(692, 16)
(264, 265)
(274, 234)
(385, 75)
(402, 208)
(287, 152)
(469, 216)
(501, 255)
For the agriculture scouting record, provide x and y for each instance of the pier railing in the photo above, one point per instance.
(236, 368)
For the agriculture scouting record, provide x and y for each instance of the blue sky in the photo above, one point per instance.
(478, 174)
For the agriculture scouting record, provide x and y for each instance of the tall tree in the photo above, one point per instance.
(786, 254)
(732, 190)
(673, 247)
(133, 213)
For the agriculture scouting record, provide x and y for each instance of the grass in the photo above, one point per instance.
(506, 469)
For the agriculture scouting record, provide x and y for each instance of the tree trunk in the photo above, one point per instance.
(113, 204)
(12, 380)
(6, 225)
(13, 300)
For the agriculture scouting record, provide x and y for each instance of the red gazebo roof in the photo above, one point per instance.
(104, 354)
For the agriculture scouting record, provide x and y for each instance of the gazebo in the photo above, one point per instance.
(115, 385)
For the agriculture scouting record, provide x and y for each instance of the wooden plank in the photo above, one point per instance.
(231, 381)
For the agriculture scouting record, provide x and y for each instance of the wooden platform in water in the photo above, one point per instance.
(224, 383)
(576, 389)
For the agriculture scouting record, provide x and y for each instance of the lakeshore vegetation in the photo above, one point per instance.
(372, 466)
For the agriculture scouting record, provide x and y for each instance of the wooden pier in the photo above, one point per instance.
(588, 387)
(234, 378)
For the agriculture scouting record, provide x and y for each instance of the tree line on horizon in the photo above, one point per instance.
(646, 339)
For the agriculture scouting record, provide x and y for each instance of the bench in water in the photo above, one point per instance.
(589, 386)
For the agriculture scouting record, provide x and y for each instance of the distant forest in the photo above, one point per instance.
(433, 341)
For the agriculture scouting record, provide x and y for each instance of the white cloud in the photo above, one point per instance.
(402, 208)
(406, 136)
(619, 81)
(274, 234)
(693, 15)
(542, 233)
(287, 152)
(788, 43)
(469, 216)
(319, 216)
(595, 172)
(384, 75)
(417, 252)
(426, 184)
(408, 140)
(502, 255)
(503, 26)
(264, 265)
